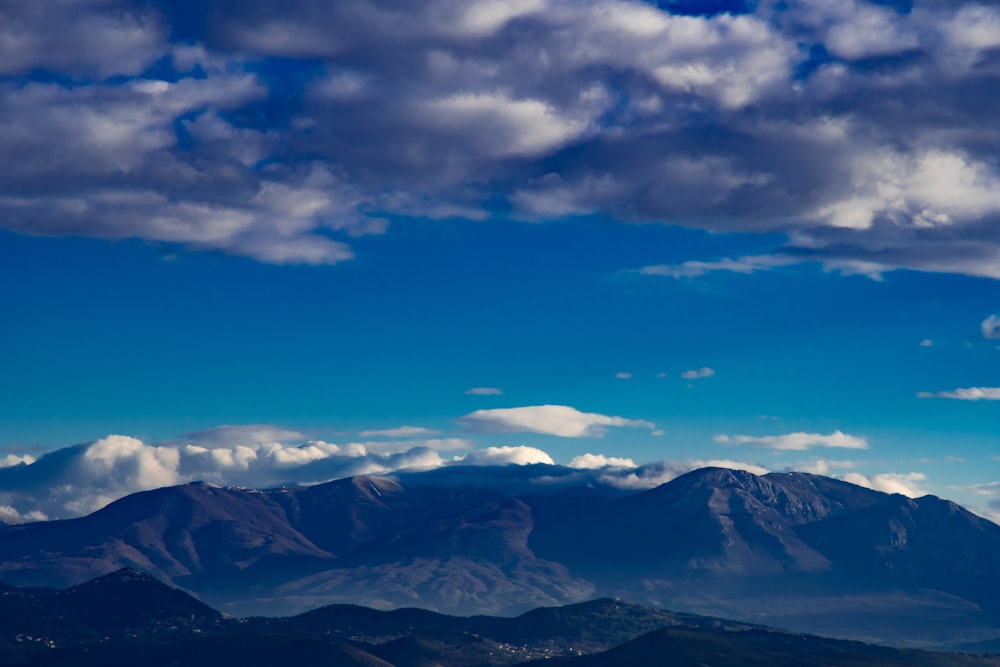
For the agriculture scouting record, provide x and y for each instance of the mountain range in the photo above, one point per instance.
(793, 550)
(128, 618)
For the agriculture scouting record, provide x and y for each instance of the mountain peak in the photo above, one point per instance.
(125, 575)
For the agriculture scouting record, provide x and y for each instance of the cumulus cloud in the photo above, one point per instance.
(80, 479)
(621, 375)
(927, 342)
(652, 475)
(80, 37)
(799, 441)
(9, 460)
(698, 373)
(907, 484)
(507, 455)
(645, 477)
(83, 478)
(484, 391)
(965, 394)
(594, 461)
(10, 515)
(991, 327)
(858, 130)
(558, 420)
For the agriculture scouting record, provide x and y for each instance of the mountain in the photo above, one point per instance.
(114, 605)
(152, 624)
(758, 647)
(793, 550)
(174, 532)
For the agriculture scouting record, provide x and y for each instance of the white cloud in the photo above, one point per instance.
(519, 455)
(927, 342)
(966, 394)
(652, 475)
(484, 391)
(487, 16)
(484, 97)
(991, 327)
(731, 465)
(866, 31)
(693, 268)
(646, 476)
(987, 489)
(518, 127)
(81, 479)
(991, 492)
(907, 484)
(746, 265)
(131, 463)
(698, 373)
(243, 434)
(823, 466)
(594, 461)
(400, 432)
(78, 38)
(623, 376)
(558, 420)
(796, 441)
(10, 515)
(395, 446)
(10, 460)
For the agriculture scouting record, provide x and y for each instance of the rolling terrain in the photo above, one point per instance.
(128, 618)
(791, 550)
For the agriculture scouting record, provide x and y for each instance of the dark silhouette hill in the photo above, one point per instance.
(127, 618)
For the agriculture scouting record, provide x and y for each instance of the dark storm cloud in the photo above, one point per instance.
(865, 131)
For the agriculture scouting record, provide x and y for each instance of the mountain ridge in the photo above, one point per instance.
(788, 549)
(596, 632)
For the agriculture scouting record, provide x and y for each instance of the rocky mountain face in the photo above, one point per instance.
(788, 549)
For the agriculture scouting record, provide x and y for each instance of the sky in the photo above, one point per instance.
(261, 244)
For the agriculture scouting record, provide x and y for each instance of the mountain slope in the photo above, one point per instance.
(174, 532)
(759, 648)
(112, 605)
(151, 626)
(794, 550)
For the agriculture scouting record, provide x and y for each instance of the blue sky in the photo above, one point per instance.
(296, 232)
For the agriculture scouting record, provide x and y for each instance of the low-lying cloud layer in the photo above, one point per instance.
(907, 484)
(83, 478)
(80, 479)
(864, 131)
